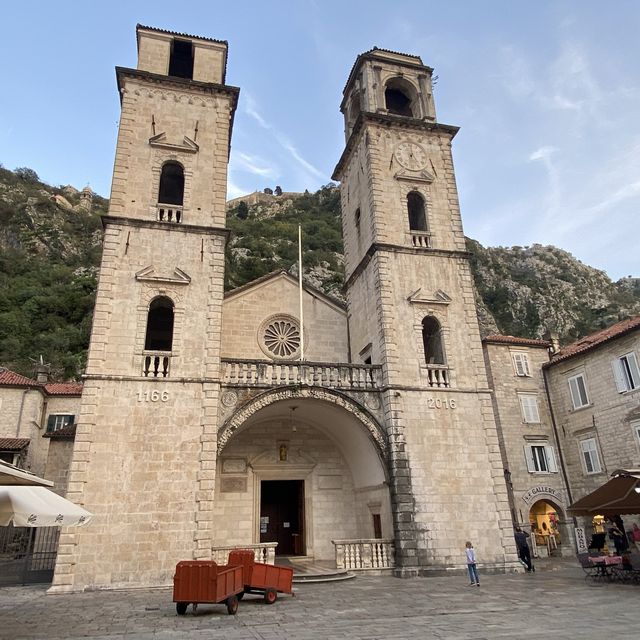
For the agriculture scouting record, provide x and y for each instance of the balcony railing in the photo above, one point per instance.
(155, 364)
(272, 374)
(421, 239)
(438, 376)
(169, 213)
(264, 552)
(364, 554)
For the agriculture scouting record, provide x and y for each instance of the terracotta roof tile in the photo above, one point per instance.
(594, 340)
(13, 444)
(524, 342)
(13, 379)
(10, 378)
(63, 388)
(178, 33)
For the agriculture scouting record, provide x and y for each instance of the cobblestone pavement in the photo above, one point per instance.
(555, 604)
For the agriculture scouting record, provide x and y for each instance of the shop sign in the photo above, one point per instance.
(540, 491)
(581, 540)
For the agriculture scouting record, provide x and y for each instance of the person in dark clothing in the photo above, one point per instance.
(618, 536)
(523, 548)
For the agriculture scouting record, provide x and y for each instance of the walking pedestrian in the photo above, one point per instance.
(522, 545)
(472, 566)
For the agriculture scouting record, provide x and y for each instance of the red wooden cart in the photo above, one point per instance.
(266, 579)
(204, 581)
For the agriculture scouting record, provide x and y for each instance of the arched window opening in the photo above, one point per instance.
(432, 339)
(397, 102)
(181, 60)
(171, 184)
(417, 213)
(354, 109)
(159, 336)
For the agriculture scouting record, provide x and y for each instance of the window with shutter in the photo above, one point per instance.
(578, 391)
(529, 406)
(590, 455)
(626, 372)
(635, 427)
(541, 458)
(521, 364)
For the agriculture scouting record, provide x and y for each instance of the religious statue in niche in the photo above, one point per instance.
(283, 452)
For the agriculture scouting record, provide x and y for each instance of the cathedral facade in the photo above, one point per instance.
(365, 433)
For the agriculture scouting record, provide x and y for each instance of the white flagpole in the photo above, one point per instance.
(300, 292)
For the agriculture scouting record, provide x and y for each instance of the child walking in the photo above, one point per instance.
(471, 566)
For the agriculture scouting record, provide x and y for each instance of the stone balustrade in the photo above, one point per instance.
(169, 213)
(421, 239)
(155, 364)
(365, 554)
(272, 374)
(264, 552)
(438, 376)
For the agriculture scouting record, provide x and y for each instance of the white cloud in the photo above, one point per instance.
(252, 109)
(286, 144)
(252, 164)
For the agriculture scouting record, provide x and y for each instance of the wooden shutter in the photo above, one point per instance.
(633, 370)
(551, 459)
(528, 456)
(575, 393)
(521, 364)
(530, 412)
(618, 375)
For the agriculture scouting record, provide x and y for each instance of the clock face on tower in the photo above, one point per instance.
(411, 156)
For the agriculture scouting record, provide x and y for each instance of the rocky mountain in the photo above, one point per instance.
(50, 246)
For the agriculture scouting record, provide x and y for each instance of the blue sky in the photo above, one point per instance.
(547, 95)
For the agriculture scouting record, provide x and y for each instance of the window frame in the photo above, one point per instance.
(626, 372)
(521, 364)
(534, 408)
(635, 428)
(535, 453)
(576, 377)
(54, 424)
(592, 454)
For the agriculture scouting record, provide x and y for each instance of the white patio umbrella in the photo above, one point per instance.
(26, 506)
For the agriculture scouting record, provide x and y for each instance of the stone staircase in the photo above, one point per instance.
(308, 570)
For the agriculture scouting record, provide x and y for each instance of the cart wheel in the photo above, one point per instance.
(181, 608)
(240, 595)
(232, 605)
(270, 596)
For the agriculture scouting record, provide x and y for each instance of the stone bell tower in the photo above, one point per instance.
(411, 309)
(144, 456)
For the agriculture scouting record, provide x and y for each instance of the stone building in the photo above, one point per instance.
(594, 386)
(381, 433)
(38, 424)
(365, 434)
(533, 469)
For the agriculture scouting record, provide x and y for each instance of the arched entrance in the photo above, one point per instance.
(549, 533)
(301, 467)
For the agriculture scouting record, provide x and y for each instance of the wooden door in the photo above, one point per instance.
(282, 515)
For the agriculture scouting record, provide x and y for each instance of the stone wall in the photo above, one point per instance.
(607, 418)
(245, 313)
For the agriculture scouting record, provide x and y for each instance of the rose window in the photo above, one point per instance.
(281, 337)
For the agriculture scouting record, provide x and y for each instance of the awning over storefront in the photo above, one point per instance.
(39, 507)
(619, 496)
(10, 475)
